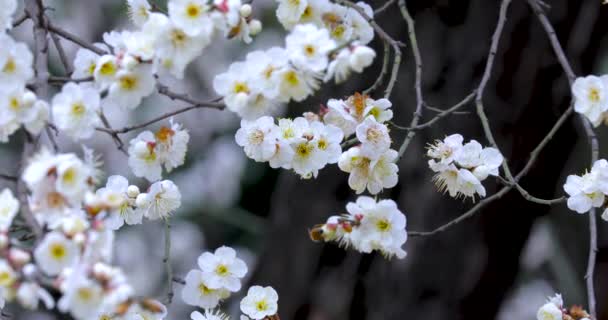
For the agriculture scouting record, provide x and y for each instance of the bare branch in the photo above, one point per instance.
(440, 115)
(75, 39)
(383, 71)
(593, 142)
(418, 82)
(167, 261)
(385, 6)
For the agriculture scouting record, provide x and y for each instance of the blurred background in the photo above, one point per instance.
(500, 264)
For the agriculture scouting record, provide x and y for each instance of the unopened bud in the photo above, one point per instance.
(245, 10)
(255, 27)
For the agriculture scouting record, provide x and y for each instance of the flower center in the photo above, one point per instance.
(78, 109)
(193, 11)
(57, 251)
(322, 144)
(203, 289)
(241, 87)
(14, 104)
(594, 95)
(221, 270)
(5, 278)
(304, 150)
(10, 66)
(256, 137)
(261, 305)
(108, 69)
(292, 78)
(309, 50)
(383, 225)
(128, 82)
(307, 14)
(178, 37)
(164, 134)
(85, 294)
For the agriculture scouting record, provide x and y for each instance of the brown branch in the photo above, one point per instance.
(74, 38)
(535, 5)
(440, 115)
(383, 71)
(418, 82)
(35, 10)
(385, 6)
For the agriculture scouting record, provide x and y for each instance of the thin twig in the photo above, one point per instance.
(119, 144)
(440, 115)
(214, 104)
(383, 71)
(67, 65)
(35, 10)
(63, 80)
(167, 260)
(74, 38)
(8, 177)
(20, 19)
(411, 30)
(593, 142)
(385, 6)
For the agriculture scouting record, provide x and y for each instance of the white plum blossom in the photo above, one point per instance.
(143, 157)
(55, 253)
(382, 227)
(82, 297)
(258, 138)
(589, 190)
(223, 269)
(371, 174)
(196, 291)
(139, 11)
(9, 206)
(208, 315)
(461, 168)
(163, 199)
(308, 47)
(15, 61)
(374, 137)
(290, 11)
(260, 302)
(236, 86)
(552, 310)
(370, 225)
(76, 110)
(85, 63)
(118, 202)
(130, 86)
(591, 97)
(190, 15)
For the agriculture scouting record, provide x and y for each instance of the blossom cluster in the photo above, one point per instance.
(314, 51)
(554, 310)
(18, 105)
(461, 168)
(218, 276)
(75, 251)
(371, 162)
(588, 190)
(591, 98)
(303, 144)
(368, 226)
(148, 152)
